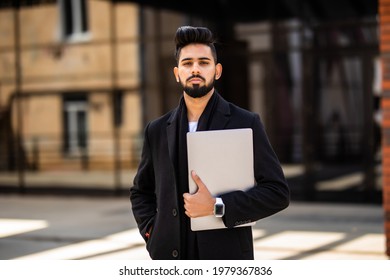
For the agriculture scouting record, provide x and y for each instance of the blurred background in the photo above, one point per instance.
(80, 79)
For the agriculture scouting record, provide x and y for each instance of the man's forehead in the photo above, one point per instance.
(196, 51)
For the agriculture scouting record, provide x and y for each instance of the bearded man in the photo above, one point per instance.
(161, 203)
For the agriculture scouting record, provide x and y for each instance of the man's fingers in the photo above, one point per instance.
(201, 202)
(197, 180)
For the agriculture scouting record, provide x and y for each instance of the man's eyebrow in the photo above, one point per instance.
(200, 58)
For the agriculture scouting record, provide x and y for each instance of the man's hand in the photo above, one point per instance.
(200, 203)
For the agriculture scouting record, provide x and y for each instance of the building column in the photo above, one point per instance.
(384, 13)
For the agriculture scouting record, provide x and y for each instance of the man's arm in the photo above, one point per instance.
(271, 193)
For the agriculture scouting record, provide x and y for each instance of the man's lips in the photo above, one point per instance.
(196, 80)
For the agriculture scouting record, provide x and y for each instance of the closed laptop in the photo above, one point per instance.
(223, 159)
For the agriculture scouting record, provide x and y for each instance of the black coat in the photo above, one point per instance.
(154, 195)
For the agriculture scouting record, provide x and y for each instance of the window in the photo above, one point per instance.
(74, 20)
(75, 124)
(118, 108)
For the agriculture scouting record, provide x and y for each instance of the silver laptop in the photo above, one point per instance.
(223, 159)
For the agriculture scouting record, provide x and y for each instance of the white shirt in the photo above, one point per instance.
(192, 126)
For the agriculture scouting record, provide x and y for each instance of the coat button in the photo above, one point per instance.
(175, 253)
(174, 212)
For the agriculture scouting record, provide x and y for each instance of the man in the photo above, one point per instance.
(161, 204)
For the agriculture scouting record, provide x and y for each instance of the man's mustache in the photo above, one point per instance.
(196, 76)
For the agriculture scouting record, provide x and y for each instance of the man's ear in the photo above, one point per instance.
(176, 73)
(218, 71)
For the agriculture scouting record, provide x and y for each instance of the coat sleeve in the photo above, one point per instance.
(142, 193)
(269, 195)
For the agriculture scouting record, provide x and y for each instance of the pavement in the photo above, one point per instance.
(87, 215)
(46, 227)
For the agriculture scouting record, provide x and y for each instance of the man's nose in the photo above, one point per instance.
(195, 68)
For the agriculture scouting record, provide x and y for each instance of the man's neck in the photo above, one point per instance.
(196, 106)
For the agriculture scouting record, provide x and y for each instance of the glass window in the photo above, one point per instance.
(75, 125)
(74, 20)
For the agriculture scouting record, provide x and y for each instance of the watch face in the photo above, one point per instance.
(219, 209)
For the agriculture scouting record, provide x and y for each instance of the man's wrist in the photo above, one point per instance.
(219, 207)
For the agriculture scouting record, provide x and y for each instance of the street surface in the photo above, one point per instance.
(81, 227)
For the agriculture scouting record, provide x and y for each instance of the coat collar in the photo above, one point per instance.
(219, 121)
(221, 115)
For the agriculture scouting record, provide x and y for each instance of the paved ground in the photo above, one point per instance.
(75, 227)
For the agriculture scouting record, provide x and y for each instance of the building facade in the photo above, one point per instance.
(69, 86)
(79, 80)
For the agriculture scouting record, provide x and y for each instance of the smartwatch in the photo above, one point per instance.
(219, 208)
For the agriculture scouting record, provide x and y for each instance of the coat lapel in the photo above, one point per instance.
(171, 135)
(222, 114)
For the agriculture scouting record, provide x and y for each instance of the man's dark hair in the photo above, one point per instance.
(186, 35)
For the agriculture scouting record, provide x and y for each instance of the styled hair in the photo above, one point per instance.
(186, 35)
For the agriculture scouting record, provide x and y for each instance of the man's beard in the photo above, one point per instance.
(197, 91)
